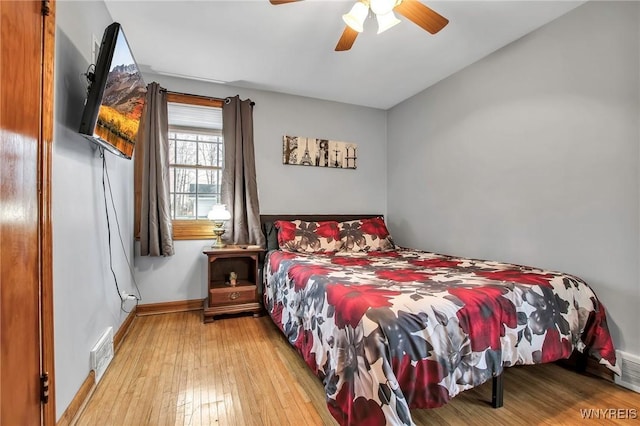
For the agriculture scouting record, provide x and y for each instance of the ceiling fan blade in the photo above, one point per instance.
(347, 39)
(422, 15)
(277, 2)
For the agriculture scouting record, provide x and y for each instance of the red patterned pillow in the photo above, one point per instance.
(308, 237)
(365, 235)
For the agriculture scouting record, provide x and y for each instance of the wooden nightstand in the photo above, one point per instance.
(222, 298)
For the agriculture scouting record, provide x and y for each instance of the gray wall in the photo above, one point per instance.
(531, 156)
(85, 298)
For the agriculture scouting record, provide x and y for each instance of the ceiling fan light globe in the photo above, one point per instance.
(386, 21)
(356, 16)
(382, 7)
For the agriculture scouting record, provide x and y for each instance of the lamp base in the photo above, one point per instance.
(218, 231)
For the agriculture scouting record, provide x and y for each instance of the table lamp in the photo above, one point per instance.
(218, 215)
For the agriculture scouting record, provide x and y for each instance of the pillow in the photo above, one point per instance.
(308, 237)
(365, 235)
(271, 233)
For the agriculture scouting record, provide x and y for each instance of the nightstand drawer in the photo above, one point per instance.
(232, 295)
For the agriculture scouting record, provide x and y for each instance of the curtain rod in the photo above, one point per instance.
(195, 96)
(225, 100)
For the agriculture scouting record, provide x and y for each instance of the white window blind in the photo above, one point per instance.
(194, 116)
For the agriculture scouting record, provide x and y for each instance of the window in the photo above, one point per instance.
(196, 159)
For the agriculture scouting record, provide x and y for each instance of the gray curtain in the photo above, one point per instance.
(156, 232)
(239, 187)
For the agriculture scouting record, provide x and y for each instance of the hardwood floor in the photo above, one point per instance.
(174, 370)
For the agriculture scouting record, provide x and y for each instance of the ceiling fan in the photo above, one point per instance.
(413, 10)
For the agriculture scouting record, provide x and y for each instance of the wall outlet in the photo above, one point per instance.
(126, 296)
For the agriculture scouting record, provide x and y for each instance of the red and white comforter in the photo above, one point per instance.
(409, 329)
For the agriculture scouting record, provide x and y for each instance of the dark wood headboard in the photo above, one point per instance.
(271, 234)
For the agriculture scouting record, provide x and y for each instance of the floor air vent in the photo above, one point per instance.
(102, 353)
(630, 365)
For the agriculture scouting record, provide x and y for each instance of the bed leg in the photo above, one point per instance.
(581, 361)
(497, 392)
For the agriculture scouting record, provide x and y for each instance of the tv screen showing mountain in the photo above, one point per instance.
(122, 101)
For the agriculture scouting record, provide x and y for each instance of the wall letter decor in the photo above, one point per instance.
(301, 151)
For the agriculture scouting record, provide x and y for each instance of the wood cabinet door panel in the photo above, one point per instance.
(22, 87)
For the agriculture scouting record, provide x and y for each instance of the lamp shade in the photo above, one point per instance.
(355, 18)
(386, 21)
(219, 212)
(382, 7)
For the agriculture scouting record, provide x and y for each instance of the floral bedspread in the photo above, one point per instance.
(404, 329)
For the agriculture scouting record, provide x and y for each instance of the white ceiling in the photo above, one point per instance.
(289, 48)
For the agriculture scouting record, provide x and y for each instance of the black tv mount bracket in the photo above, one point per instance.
(89, 75)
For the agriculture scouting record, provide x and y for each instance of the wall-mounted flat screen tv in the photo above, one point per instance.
(115, 97)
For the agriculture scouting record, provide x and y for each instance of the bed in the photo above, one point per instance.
(388, 329)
